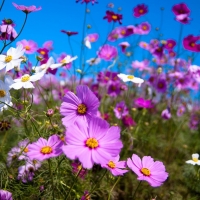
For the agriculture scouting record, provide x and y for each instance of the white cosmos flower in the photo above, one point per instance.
(12, 58)
(68, 59)
(4, 96)
(131, 78)
(44, 67)
(25, 81)
(93, 61)
(195, 159)
(87, 42)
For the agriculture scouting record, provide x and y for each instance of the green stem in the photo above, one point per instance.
(73, 183)
(51, 175)
(2, 5)
(136, 189)
(113, 187)
(17, 35)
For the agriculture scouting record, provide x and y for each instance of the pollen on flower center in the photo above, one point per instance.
(111, 164)
(92, 143)
(146, 171)
(195, 159)
(27, 48)
(26, 150)
(192, 44)
(144, 28)
(25, 78)
(82, 109)
(46, 150)
(114, 17)
(8, 59)
(42, 52)
(130, 77)
(2, 93)
(63, 61)
(141, 11)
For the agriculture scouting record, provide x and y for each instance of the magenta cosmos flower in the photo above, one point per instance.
(87, 1)
(170, 44)
(69, 33)
(140, 10)
(30, 46)
(26, 9)
(5, 195)
(116, 167)
(148, 170)
(190, 44)
(44, 149)
(83, 106)
(121, 110)
(111, 16)
(107, 52)
(95, 143)
(143, 103)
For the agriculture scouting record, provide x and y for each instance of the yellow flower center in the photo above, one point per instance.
(119, 109)
(8, 59)
(79, 167)
(144, 27)
(42, 52)
(114, 17)
(195, 159)
(92, 143)
(146, 171)
(25, 78)
(130, 77)
(111, 164)
(63, 61)
(92, 39)
(46, 150)
(27, 48)
(170, 45)
(82, 109)
(192, 44)
(123, 32)
(141, 11)
(4, 124)
(35, 162)
(2, 93)
(26, 150)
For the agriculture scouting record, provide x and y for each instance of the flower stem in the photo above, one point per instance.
(136, 189)
(113, 187)
(2, 5)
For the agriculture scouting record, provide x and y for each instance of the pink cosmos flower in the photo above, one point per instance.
(5, 195)
(90, 38)
(121, 110)
(115, 166)
(140, 10)
(44, 149)
(87, 1)
(148, 170)
(180, 111)
(123, 46)
(190, 44)
(111, 16)
(166, 114)
(26, 9)
(30, 46)
(143, 28)
(83, 106)
(69, 33)
(95, 143)
(7, 32)
(143, 65)
(107, 52)
(48, 45)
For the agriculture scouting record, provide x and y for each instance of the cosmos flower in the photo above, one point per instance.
(190, 44)
(148, 170)
(111, 16)
(181, 12)
(166, 114)
(143, 28)
(84, 105)
(170, 44)
(140, 10)
(26, 81)
(43, 52)
(93, 61)
(107, 52)
(26, 9)
(115, 166)
(160, 85)
(123, 46)
(69, 33)
(195, 159)
(121, 110)
(30, 46)
(90, 38)
(4, 125)
(95, 143)
(48, 45)
(44, 67)
(44, 149)
(12, 58)
(7, 32)
(131, 78)
(143, 103)
(87, 1)
(141, 66)
(5, 195)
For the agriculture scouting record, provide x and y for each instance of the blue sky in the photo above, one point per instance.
(68, 15)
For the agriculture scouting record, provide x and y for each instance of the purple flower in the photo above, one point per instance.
(114, 89)
(128, 121)
(143, 28)
(107, 52)
(83, 106)
(123, 46)
(27, 9)
(30, 46)
(142, 103)
(26, 173)
(148, 170)
(190, 44)
(76, 167)
(140, 10)
(111, 16)
(181, 12)
(87, 1)
(166, 114)
(95, 143)
(143, 65)
(170, 44)
(180, 111)
(115, 166)
(161, 85)
(121, 110)
(5, 195)
(44, 149)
